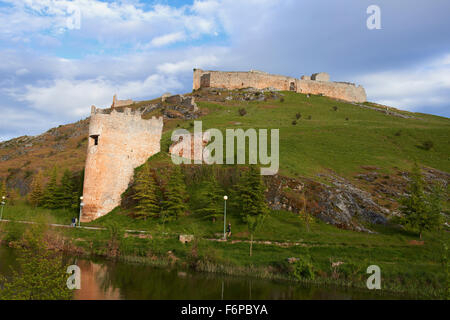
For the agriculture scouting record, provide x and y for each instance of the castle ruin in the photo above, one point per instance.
(120, 103)
(120, 140)
(318, 83)
(118, 143)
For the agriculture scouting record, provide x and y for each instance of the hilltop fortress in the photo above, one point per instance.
(318, 83)
(120, 140)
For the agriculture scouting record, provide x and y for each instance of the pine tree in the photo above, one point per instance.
(147, 194)
(421, 211)
(51, 198)
(211, 199)
(66, 190)
(36, 192)
(251, 194)
(174, 204)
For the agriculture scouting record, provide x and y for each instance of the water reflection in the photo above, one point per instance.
(102, 279)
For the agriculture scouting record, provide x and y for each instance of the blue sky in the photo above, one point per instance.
(53, 69)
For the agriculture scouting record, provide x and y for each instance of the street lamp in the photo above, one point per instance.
(224, 217)
(81, 208)
(3, 204)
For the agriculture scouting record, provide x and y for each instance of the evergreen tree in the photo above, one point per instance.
(251, 194)
(175, 195)
(147, 193)
(52, 194)
(420, 211)
(211, 198)
(36, 192)
(66, 190)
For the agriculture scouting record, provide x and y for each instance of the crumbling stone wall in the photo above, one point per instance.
(239, 80)
(337, 90)
(118, 143)
(120, 103)
(318, 83)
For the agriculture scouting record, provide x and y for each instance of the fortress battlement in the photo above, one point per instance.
(119, 141)
(317, 83)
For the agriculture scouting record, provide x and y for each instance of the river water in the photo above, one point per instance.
(104, 279)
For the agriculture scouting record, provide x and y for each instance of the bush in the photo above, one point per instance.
(427, 145)
(298, 115)
(281, 99)
(294, 122)
(304, 269)
(309, 117)
(350, 270)
(242, 111)
(398, 133)
(335, 108)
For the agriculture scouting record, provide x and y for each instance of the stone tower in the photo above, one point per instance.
(118, 143)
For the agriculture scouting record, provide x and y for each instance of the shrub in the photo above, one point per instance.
(346, 119)
(281, 99)
(350, 270)
(294, 122)
(309, 117)
(398, 133)
(427, 145)
(242, 111)
(303, 268)
(298, 115)
(335, 108)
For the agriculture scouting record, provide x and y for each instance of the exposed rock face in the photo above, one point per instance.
(180, 100)
(344, 205)
(318, 83)
(118, 143)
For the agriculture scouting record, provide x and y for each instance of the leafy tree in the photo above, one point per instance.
(211, 198)
(174, 204)
(253, 225)
(421, 211)
(251, 194)
(36, 192)
(147, 194)
(41, 274)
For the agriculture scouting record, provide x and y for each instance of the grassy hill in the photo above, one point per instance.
(332, 144)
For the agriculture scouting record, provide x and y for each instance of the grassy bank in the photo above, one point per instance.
(407, 266)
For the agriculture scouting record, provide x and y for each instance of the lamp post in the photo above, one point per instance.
(3, 204)
(224, 217)
(81, 208)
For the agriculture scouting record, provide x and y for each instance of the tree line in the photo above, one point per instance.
(169, 200)
(61, 193)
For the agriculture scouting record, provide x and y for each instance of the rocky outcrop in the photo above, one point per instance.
(342, 204)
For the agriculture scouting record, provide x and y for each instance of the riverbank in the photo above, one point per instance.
(408, 267)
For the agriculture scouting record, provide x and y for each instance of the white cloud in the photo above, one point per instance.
(423, 85)
(168, 39)
(73, 98)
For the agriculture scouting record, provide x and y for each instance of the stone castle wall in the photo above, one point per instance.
(337, 90)
(118, 143)
(239, 80)
(318, 83)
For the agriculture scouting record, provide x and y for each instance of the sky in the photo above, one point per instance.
(59, 57)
